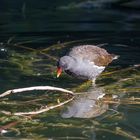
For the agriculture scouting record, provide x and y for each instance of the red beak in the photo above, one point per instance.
(59, 71)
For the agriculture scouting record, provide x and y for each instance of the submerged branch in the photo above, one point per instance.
(45, 108)
(127, 101)
(121, 70)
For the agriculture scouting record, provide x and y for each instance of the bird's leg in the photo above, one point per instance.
(93, 82)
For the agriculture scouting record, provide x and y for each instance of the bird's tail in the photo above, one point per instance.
(114, 56)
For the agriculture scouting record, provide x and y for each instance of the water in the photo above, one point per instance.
(39, 25)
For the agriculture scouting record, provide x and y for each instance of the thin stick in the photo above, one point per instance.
(9, 125)
(34, 88)
(121, 70)
(125, 101)
(44, 109)
(37, 51)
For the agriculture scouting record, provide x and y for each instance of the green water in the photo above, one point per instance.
(51, 29)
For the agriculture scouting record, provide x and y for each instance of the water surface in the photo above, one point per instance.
(56, 27)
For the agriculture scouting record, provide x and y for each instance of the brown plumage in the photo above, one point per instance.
(99, 56)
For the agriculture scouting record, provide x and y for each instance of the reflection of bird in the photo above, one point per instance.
(86, 105)
(85, 61)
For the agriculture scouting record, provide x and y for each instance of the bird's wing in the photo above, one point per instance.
(99, 56)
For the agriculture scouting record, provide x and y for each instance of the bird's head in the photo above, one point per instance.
(63, 64)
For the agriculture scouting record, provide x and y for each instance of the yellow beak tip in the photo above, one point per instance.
(59, 71)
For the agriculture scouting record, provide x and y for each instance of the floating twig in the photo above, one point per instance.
(45, 108)
(13, 91)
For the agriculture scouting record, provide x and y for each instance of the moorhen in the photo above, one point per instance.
(85, 61)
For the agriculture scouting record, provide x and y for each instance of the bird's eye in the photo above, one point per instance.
(64, 65)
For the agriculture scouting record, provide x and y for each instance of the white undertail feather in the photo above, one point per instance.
(116, 57)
